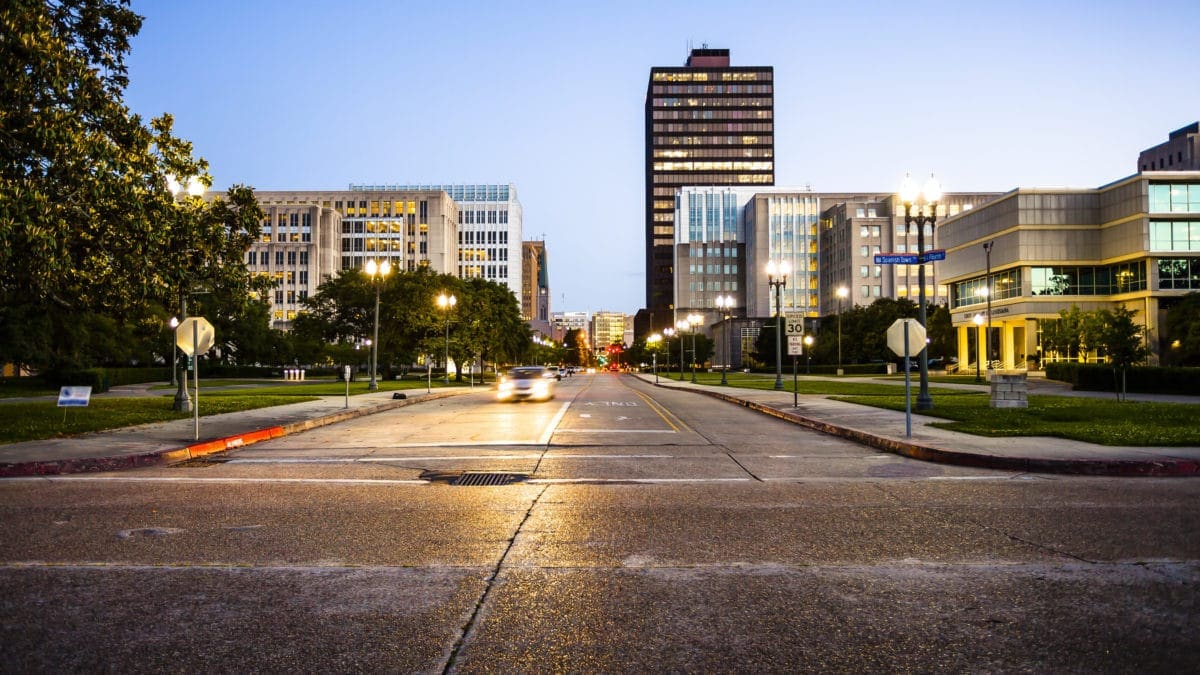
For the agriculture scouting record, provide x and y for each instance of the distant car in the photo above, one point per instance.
(526, 382)
(553, 373)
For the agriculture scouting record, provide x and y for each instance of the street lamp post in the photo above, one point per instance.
(841, 292)
(654, 340)
(194, 188)
(777, 278)
(694, 321)
(925, 199)
(978, 319)
(668, 332)
(808, 343)
(681, 327)
(987, 293)
(447, 302)
(174, 351)
(376, 272)
(725, 304)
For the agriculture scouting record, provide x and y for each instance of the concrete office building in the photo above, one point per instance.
(607, 328)
(308, 236)
(706, 123)
(535, 286)
(1134, 243)
(490, 222)
(1181, 152)
(562, 322)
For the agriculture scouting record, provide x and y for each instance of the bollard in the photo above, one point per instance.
(301, 374)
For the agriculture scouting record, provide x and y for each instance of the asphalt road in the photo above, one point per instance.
(655, 531)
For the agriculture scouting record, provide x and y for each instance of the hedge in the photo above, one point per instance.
(1139, 379)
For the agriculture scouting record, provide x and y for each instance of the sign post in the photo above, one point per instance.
(346, 373)
(903, 337)
(795, 349)
(195, 336)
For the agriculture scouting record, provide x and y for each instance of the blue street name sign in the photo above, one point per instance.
(895, 259)
(935, 254)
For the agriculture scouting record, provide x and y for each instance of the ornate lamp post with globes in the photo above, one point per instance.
(376, 273)
(681, 327)
(842, 292)
(667, 333)
(446, 303)
(194, 188)
(725, 304)
(777, 275)
(694, 321)
(926, 201)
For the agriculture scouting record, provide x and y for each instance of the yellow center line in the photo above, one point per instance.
(662, 412)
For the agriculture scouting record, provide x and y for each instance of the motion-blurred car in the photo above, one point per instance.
(526, 382)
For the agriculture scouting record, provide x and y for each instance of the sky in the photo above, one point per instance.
(549, 96)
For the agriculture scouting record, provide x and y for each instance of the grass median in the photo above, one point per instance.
(1092, 420)
(1100, 421)
(35, 420)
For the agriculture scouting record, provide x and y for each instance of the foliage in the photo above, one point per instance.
(1181, 328)
(485, 322)
(1108, 333)
(1141, 379)
(94, 250)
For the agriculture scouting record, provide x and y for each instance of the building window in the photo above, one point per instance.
(860, 213)
(864, 250)
(1179, 274)
(862, 271)
(1175, 235)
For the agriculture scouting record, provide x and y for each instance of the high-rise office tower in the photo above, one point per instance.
(707, 123)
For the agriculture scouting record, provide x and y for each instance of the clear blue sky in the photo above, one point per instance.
(298, 94)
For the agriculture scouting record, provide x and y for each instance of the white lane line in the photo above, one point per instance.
(184, 479)
(549, 481)
(429, 458)
(616, 431)
(349, 460)
(549, 432)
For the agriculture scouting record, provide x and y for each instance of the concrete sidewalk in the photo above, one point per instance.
(885, 430)
(171, 442)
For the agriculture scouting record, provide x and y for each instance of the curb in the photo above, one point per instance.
(930, 453)
(208, 447)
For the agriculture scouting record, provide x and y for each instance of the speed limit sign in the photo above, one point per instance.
(793, 322)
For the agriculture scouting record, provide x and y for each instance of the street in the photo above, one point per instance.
(645, 530)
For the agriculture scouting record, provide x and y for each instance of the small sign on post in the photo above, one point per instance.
(72, 397)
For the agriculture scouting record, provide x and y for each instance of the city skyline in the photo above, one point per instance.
(320, 96)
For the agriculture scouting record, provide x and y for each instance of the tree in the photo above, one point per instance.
(1182, 330)
(91, 239)
(1121, 338)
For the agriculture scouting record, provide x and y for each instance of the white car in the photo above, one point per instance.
(526, 382)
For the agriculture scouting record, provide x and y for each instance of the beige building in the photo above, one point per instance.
(608, 328)
(535, 286)
(308, 236)
(1134, 243)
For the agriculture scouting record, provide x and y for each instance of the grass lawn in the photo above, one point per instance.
(1102, 421)
(839, 387)
(44, 419)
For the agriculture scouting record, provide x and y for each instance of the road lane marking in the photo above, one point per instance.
(616, 431)
(550, 428)
(189, 479)
(559, 481)
(662, 412)
(430, 458)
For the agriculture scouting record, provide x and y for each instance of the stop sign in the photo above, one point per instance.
(197, 332)
(916, 337)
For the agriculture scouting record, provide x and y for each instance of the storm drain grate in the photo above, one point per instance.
(486, 478)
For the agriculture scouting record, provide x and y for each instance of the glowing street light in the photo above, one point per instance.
(777, 275)
(376, 272)
(841, 292)
(926, 200)
(446, 303)
(725, 304)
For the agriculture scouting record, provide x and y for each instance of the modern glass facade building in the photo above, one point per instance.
(1134, 243)
(706, 123)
